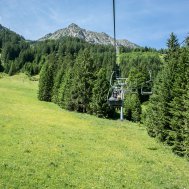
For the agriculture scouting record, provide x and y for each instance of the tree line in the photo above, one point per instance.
(167, 115)
(78, 81)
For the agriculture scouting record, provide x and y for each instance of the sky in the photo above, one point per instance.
(144, 22)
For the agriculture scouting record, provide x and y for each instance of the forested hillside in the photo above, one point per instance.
(73, 77)
(167, 116)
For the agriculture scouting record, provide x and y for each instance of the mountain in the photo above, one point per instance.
(74, 30)
(7, 35)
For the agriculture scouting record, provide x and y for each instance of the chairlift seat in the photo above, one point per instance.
(146, 93)
(114, 102)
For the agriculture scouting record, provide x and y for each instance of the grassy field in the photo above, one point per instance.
(43, 146)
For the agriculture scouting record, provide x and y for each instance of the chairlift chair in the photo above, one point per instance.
(145, 92)
(115, 99)
(146, 87)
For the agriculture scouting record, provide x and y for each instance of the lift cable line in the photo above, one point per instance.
(118, 85)
(114, 25)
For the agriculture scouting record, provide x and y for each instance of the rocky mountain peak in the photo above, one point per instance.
(73, 26)
(73, 30)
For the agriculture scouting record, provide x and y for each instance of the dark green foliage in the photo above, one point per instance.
(100, 90)
(57, 82)
(177, 106)
(132, 107)
(172, 42)
(46, 81)
(64, 92)
(83, 82)
(1, 67)
(136, 66)
(186, 121)
(167, 113)
(12, 69)
(74, 81)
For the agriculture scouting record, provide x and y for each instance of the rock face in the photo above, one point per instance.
(74, 30)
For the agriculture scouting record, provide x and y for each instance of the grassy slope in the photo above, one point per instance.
(42, 146)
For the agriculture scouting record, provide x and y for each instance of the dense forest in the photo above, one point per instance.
(75, 75)
(167, 114)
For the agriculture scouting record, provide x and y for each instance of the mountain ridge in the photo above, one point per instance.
(73, 30)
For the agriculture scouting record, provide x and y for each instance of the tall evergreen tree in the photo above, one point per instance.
(172, 42)
(167, 115)
(57, 82)
(100, 90)
(177, 105)
(158, 115)
(64, 92)
(132, 107)
(46, 81)
(1, 67)
(83, 81)
(186, 122)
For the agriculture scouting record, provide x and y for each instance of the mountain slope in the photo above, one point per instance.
(43, 146)
(74, 30)
(7, 35)
(7, 32)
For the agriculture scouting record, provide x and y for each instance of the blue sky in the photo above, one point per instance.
(144, 22)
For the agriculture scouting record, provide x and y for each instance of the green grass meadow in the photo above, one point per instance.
(43, 146)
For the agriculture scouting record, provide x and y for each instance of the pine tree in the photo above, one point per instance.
(46, 80)
(157, 116)
(64, 92)
(178, 106)
(82, 85)
(186, 122)
(57, 82)
(132, 107)
(12, 70)
(99, 104)
(1, 67)
(167, 114)
(172, 42)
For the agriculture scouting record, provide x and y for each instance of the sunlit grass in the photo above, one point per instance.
(43, 146)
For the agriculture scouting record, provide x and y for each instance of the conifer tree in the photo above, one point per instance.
(1, 67)
(12, 70)
(172, 42)
(57, 82)
(177, 105)
(46, 81)
(81, 91)
(186, 122)
(64, 92)
(167, 114)
(132, 107)
(158, 116)
(100, 90)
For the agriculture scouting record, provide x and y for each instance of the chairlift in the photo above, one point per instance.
(115, 94)
(145, 91)
(147, 86)
(115, 100)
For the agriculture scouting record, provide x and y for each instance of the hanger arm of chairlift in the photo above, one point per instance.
(111, 78)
